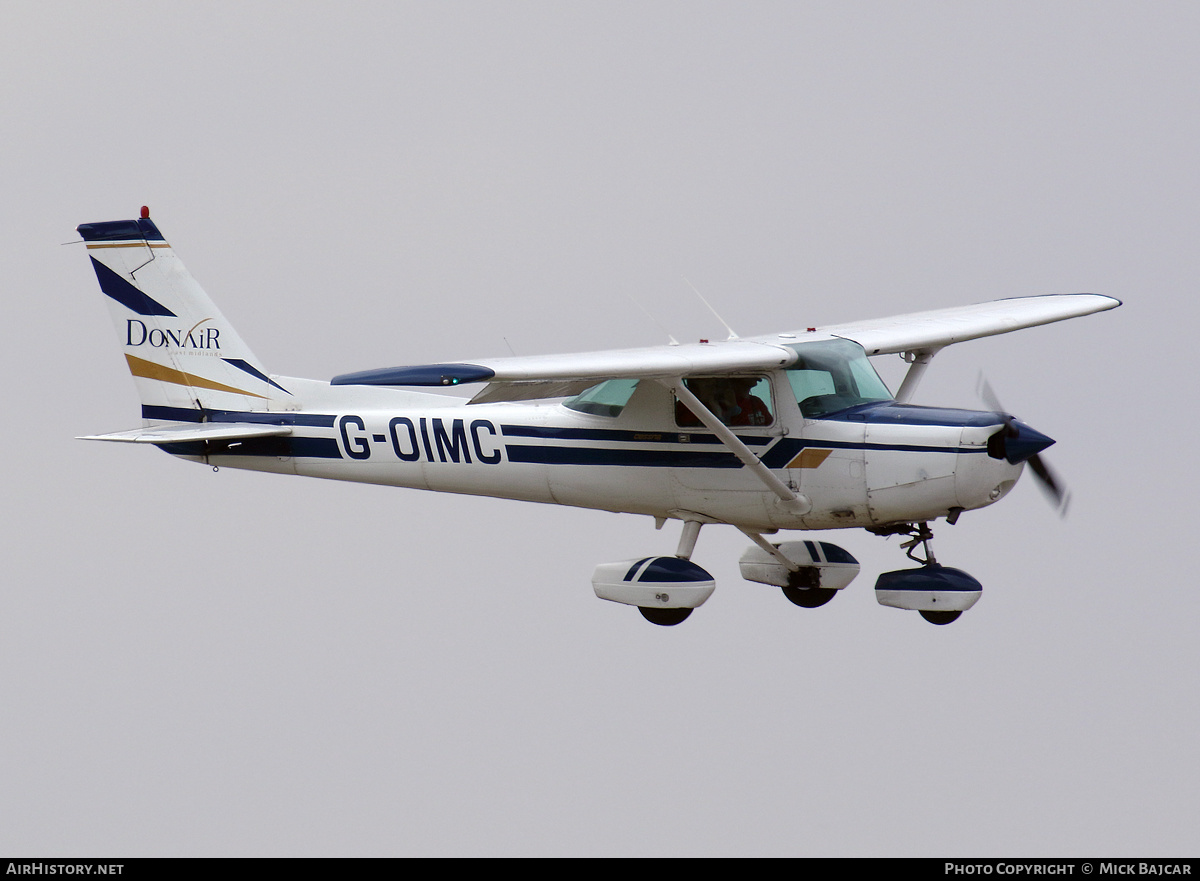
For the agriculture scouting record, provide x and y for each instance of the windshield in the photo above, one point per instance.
(833, 375)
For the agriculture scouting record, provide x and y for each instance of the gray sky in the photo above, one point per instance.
(241, 664)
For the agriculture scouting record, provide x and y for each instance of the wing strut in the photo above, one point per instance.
(735, 445)
(918, 362)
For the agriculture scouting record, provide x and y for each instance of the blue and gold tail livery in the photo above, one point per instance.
(183, 354)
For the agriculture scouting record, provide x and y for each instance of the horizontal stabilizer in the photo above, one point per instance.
(181, 432)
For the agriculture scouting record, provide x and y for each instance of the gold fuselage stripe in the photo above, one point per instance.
(809, 458)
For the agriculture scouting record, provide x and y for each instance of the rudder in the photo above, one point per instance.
(184, 355)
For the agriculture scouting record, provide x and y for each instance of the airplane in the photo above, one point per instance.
(790, 431)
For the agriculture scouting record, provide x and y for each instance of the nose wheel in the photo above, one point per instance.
(939, 617)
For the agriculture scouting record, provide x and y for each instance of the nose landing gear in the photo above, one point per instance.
(941, 594)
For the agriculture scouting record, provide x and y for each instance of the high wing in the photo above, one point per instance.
(522, 378)
(724, 357)
(942, 327)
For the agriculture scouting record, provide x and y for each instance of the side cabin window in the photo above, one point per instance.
(834, 375)
(736, 400)
(606, 399)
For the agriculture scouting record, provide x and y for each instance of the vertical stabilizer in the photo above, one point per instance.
(184, 356)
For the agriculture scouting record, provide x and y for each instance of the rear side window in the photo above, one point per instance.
(606, 399)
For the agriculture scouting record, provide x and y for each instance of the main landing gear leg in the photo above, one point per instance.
(687, 539)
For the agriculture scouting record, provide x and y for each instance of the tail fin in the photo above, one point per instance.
(184, 355)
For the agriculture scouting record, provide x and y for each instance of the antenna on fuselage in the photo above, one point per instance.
(732, 334)
(657, 323)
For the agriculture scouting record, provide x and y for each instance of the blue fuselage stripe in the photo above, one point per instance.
(778, 455)
(607, 456)
(612, 434)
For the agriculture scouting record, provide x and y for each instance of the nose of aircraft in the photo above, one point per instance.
(1016, 442)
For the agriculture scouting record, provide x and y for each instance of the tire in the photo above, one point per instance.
(809, 597)
(664, 617)
(939, 617)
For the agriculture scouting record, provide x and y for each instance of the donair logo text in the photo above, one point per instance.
(196, 337)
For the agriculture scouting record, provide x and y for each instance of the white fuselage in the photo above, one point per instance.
(887, 464)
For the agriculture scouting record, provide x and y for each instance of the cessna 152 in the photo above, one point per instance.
(789, 431)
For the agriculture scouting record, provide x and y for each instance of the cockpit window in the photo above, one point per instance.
(735, 400)
(606, 399)
(833, 375)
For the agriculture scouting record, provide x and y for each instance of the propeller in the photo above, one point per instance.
(1017, 442)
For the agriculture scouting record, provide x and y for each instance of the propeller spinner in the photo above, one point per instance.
(1016, 442)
